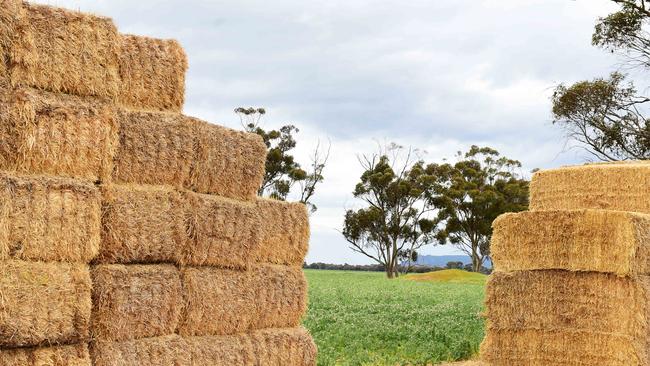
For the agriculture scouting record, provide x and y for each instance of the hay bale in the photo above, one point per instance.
(76, 355)
(168, 350)
(66, 51)
(152, 73)
(138, 301)
(268, 347)
(614, 186)
(606, 308)
(234, 234)
(43, 303)
(229, 163)
(48, 219)
(221, 301)
(584, 240)
(533, 347)
(152, 224)
(170, 149)
(284, 232)
(44, 133)
(141, 224)
(293, 347)
(283, 347)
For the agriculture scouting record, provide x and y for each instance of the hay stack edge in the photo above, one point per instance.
(571, 280)
(131, 234)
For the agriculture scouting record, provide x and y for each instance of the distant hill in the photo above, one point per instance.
(442, 260)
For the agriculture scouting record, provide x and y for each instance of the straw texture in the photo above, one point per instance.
(131, 302)
(533, 347)
(152, 224)
(76, 355)
(233, 234)
(580, 309)
(152, 72)
(141, 224)
(168, 350)
(43, 303)
(48, 219)
(66, 51)
(44, 133)
(219, 302)
(268, 347)
(582, 240)
(171, 149)
(614, 186)
(11, 29)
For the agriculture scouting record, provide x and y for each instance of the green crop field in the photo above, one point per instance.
(361, 318)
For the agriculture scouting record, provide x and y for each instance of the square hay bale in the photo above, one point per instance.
(292, 347)
(610, 312)
(152, 73)
(534, 347)
(170, 149)
(283, 347)
(138, 301)
(75, 355)
(43, 303)
(234, 234)
(48, 219)
(66, 51)
(155, 148)
(614, 186)
(221, 301)
(141, 224)
(45, 133)
(581, 240)
(167, 350)
(229, 163)
(284, 237)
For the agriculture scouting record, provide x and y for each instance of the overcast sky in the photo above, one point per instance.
(439, 75)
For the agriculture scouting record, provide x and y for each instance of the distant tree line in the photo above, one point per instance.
(381, 268)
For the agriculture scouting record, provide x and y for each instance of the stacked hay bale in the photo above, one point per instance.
(571, 284)
(132, 234)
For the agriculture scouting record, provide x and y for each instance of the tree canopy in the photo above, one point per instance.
(283, 173)
(470, 194)
(607, 116)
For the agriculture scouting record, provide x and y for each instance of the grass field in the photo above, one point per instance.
(361, 318)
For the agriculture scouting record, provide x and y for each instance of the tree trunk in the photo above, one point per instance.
(476, 260)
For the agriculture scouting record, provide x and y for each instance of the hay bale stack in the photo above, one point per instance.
(61, 135)
(76, 355)
(48, 219)
(132, 302)
(579, 240)
(222, 301)
(612, 186)
(171, 149)
(267, 347)
(65, 51)
(571, 284)
(43, 303)
(125, 225)
(152, 73)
